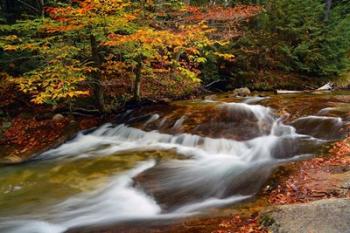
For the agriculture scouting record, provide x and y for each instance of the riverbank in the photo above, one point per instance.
(27, 137)
(28, 131)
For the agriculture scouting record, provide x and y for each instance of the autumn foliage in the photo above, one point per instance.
(83, 47)
(220, 13)
(240, 224)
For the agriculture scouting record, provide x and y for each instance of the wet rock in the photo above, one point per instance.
(165, 101)
(241, 92)
(169, 185)
(319, 127)
(325, 216)
(210, 97)
(57, 117)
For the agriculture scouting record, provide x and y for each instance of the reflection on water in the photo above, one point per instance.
(38, 184)
(166, 162)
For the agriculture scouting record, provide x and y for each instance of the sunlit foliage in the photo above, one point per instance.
(77, 44)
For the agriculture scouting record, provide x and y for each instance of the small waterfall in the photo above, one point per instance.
(207, 172)
(152, 119)
(179, 123)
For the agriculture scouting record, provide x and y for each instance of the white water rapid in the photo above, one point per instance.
(207, 172)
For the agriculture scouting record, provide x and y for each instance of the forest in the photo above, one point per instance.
(107, 53)
(148, 115)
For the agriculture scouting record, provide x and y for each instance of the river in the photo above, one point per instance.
(165, 162)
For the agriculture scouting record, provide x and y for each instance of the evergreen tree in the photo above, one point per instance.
(293, 36)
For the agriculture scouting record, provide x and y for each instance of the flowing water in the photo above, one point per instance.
(166, 162)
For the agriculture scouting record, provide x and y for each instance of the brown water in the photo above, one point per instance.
(167, 162)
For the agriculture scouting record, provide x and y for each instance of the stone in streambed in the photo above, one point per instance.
(58, 117)
(325, 216)
(241, 92)
(210, 97)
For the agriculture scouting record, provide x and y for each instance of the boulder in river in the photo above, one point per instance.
(210, 97)
(57, 117)
(244, 91)
(325, 216)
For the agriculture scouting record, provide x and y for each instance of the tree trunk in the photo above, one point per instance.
(98, 89)
(11, 10)
(174, 66)
(137, 83)
(41, 5)
(328, 9)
